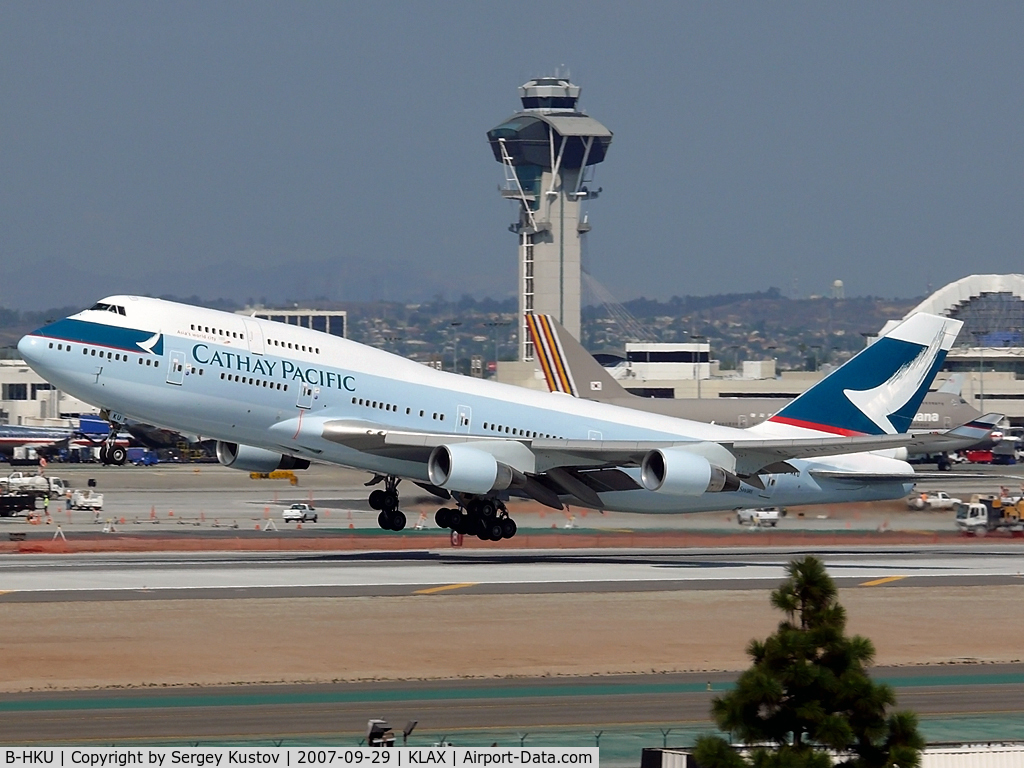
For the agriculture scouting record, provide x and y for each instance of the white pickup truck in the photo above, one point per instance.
(37, 485)
(300, 513)
(87, 499)
(932, 500)
(761, 516)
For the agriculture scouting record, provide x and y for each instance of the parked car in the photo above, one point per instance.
(299, 513)
(760, 516)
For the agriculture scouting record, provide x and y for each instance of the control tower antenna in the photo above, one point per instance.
(548, 151)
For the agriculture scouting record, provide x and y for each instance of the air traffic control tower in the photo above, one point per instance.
(549, 150)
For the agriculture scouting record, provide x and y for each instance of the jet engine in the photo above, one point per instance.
(250, 459)
(680, 472)
(459, 467)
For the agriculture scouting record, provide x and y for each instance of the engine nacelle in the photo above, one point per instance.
(679, 472)
(249, 459)
(459, 467)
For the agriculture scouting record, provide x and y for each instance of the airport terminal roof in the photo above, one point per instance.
(991, 306)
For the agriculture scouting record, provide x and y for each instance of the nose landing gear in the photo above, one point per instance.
(110, 451)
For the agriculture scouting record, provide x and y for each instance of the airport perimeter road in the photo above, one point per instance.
(338, 713)
(149, 577)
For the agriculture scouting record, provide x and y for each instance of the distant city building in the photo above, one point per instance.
(334, 322)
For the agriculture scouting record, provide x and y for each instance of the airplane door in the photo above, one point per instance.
(254, 335)
(176, 368)
(463, 419)
(741, 421)
(307, 394)
(769, 487)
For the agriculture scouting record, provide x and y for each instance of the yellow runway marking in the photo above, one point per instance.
(445, 588)
(877, 582)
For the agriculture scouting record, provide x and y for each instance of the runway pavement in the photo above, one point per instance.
(149, 577)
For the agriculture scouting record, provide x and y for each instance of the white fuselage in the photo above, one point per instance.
(272, 386)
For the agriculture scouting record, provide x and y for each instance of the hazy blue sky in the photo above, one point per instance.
(290, 150)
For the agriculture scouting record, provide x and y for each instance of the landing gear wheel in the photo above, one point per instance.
(486, 509)
(377, 499)
(118, 455)
(443, 518)
(457, 521)
(104, 454)
(508, 528)
(397, 520)
(390, 502)
(384, 521)
(494, 530)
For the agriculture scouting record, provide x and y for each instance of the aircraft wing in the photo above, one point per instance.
(751, 456)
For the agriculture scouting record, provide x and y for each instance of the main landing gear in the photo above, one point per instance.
(391, 518)
(486, 518)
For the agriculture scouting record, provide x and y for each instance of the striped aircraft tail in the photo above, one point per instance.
(566, 365)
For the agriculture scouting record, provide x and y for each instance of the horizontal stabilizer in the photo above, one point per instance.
(880, 477)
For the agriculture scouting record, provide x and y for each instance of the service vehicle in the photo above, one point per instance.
(12, 503)
(299, 513)
(761, 516)
(87, 499)
(932, 500)
(984, 514)
(37, 485)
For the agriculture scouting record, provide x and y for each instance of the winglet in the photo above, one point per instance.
(567, 366)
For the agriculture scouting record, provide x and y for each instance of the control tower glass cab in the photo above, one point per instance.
(548, 151)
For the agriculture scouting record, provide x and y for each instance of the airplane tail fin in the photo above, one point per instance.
(567, 366)
(879, 390)
(954, 385)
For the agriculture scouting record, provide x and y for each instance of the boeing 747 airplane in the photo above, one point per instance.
(279, 396)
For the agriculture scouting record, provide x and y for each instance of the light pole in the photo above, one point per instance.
(495, 326)
(816, 347)
(978, 336)
(696, 337)
(455, 344)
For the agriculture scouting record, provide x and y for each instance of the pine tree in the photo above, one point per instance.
(807, 701)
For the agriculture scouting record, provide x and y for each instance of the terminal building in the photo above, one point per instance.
(26, 399)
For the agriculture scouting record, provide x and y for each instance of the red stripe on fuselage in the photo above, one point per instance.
(815, 427)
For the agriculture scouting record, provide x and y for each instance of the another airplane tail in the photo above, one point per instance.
(567, 366)
(880, 389)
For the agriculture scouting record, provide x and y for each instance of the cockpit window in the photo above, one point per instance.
(99, 306)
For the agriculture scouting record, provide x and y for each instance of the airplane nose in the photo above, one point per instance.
(27, 348)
